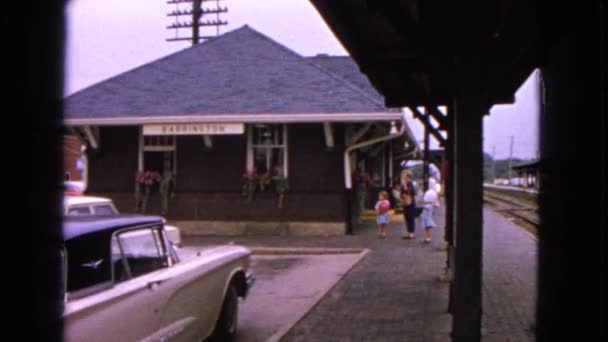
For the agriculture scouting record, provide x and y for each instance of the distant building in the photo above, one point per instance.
(73, 158)
(529, 174)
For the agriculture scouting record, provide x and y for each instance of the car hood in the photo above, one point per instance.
(212, 252)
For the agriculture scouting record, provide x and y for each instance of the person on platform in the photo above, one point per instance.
(382, 207)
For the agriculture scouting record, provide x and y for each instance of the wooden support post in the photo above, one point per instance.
(449, 188)
(449, 178)
(572, 301)
(468, 166)
(425, 170)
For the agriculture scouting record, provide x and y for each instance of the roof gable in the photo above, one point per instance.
(241, 72)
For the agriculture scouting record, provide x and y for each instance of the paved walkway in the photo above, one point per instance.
(509, 280)
(394, 294)
(297, 282)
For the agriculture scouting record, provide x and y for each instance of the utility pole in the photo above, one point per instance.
(196, 13)
(510, 159)
(196, 17)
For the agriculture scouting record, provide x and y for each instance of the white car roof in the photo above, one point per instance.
(76, 200)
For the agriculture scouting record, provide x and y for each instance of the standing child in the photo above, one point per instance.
(429, 200)
(382, 207)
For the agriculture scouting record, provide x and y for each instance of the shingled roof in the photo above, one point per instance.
(242, 73)
(345, 67)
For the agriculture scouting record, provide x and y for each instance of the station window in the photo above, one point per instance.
(158, 153)
(267, 148)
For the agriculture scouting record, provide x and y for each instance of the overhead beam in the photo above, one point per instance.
(360, 133)
(439, 116)
(79, 135)
(91, 137)
(425, 120)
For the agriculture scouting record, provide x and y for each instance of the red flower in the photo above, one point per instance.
(250, 175)
(147, 177)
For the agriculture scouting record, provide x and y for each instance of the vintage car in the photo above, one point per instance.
(124, 282)
(77, 204)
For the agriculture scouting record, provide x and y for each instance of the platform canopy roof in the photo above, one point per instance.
(422, 52)
(527, 166)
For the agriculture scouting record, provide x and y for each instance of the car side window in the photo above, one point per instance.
(138, 252)
(88, 263)
(84, 210)
(104, 209)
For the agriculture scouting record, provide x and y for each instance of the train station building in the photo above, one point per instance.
(236, 109)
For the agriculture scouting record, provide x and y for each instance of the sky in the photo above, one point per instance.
(108, 37)
(518, 120)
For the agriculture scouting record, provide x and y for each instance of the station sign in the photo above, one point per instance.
(194, 129)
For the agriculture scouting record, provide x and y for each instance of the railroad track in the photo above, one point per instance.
(505, 200)
(533, 221)
(513, 208)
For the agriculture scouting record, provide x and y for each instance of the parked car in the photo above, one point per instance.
(124, 282)
(88, 205)
(91, 205)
